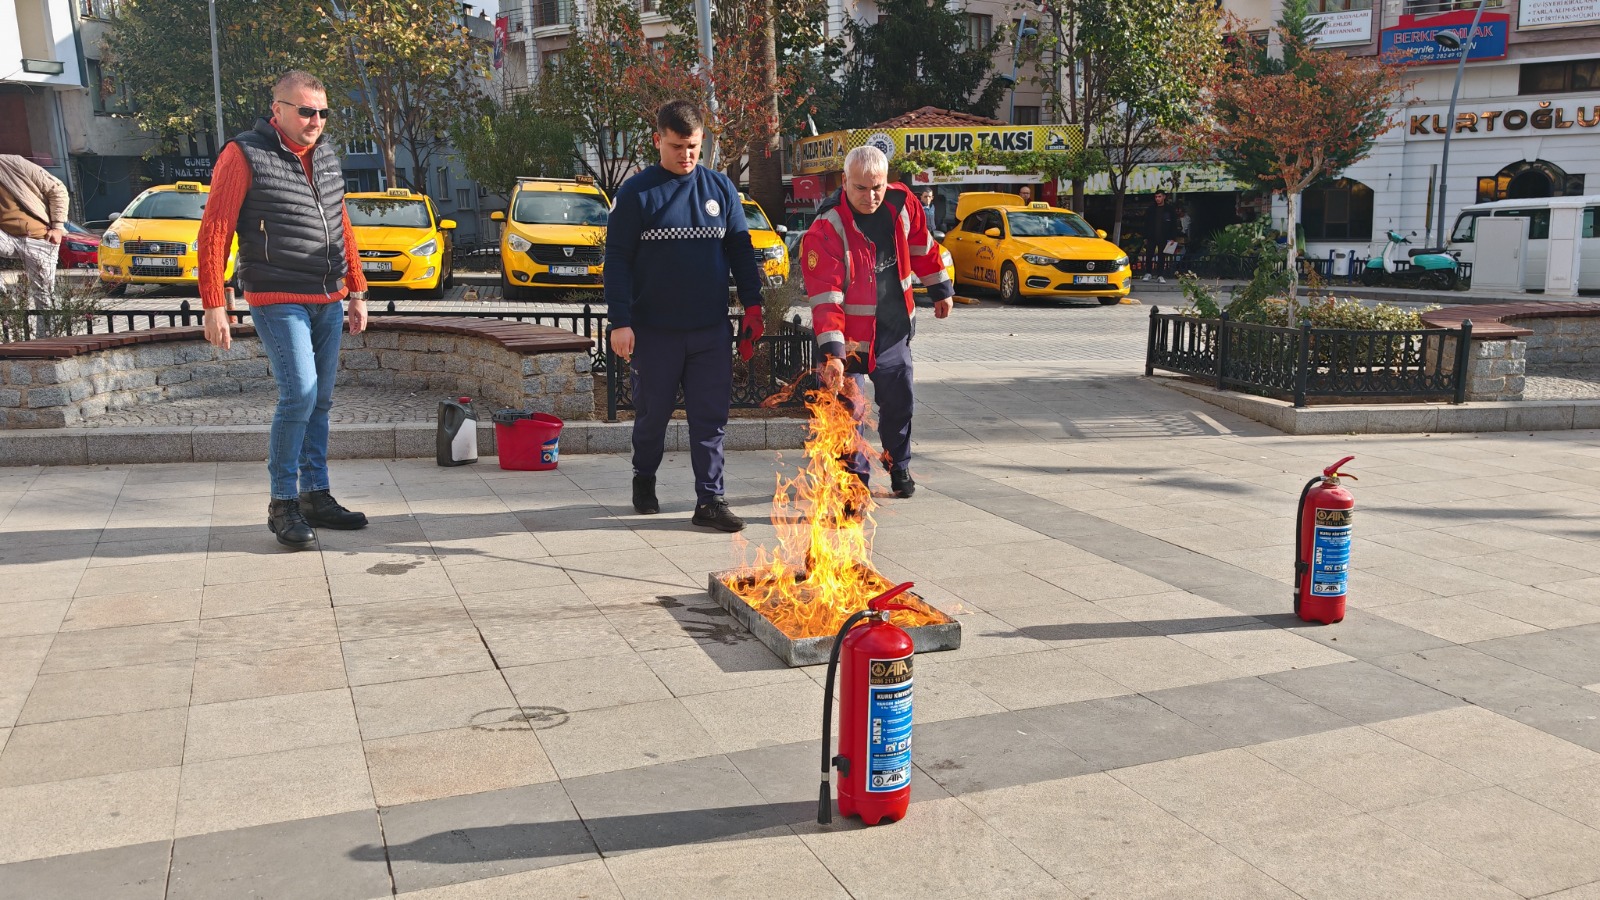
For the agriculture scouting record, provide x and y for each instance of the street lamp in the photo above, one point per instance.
(216, 77)
(1449, 41)
(1023, 31)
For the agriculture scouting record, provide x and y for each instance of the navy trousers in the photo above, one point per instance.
(701, 363)
(891, 383)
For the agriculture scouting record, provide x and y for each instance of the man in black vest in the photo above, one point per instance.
(280, 189)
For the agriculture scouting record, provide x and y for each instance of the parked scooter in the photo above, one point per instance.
(1430, 268)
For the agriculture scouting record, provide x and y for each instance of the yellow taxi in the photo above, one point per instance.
(554, 237)
(767, 239)
(1034, 250)
(402, 241)
(155, 240)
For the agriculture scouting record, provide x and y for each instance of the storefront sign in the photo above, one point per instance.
(1544, 117)
(1552, 13)
(826, 153)
(1177, 178)
(167, 169)
(1414, 36)
(1347, 27)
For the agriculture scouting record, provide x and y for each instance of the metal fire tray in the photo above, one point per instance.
(814, 650)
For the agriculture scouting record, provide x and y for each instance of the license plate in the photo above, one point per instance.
(569, 270)
(375, 266)
(166, 261)
(1088, 279)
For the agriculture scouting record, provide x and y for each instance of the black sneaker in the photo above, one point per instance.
(322, 511)
(716, 514)
(644, 495)
(901, 482)
(285, 520)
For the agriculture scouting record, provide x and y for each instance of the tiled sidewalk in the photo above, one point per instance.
(510, 686)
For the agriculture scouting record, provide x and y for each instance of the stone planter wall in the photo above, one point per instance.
(1497, 370)
(1564, 341)
(87, 379)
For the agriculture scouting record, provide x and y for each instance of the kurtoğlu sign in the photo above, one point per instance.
(1501, 119)
(1414, 37)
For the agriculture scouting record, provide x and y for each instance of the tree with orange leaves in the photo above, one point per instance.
(1287, 121)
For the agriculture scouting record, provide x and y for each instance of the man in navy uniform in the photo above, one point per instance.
(676, 230)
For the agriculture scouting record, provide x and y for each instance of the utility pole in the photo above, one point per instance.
(702, 19)
(216, 78)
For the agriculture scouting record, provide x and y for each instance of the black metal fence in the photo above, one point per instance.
(1305, 362)
(771, 377)
(1331, 269)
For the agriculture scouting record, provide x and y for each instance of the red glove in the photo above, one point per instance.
(750, 331)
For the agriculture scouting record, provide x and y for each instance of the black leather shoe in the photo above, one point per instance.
(286, 521)
(644, 495)
(322, 511)
(901, 482)
(716, 514)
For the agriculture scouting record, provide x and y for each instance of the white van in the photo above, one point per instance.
(1538, 215)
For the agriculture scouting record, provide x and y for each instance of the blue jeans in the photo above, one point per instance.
(302, 345)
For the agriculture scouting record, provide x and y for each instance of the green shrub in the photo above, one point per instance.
(1329, 312)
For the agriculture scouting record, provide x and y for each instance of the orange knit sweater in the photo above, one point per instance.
(230, 181)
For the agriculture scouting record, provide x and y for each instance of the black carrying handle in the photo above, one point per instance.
(824, 798)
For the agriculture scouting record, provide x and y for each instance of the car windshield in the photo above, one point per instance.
(388, 213)
(558, 208)
(1465, 227)
(755, 218)
(167, 205)
(1044, 224)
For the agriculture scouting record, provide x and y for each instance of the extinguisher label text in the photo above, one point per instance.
(1334, 517)
(1330, 555)
(888, 724)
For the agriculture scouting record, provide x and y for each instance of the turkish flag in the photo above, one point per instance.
(807, 187)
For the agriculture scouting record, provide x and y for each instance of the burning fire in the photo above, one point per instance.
(821, 571)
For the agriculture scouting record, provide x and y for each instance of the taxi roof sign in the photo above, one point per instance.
(397, 192)
(1038, 204)
(189, 186)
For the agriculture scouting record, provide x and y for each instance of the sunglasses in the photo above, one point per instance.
(307, 112)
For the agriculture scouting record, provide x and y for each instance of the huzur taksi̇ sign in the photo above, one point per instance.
(825, 153)
(1518, 117)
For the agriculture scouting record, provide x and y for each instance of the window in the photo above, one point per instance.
(649, 6)
(1560, 77)
(107, 96)
(444, 183)
(1328, 6)
(1430, 7)
(97, 9)
(361, 145)
(981, 221)
(463, 198)
(1025, 115)
(551, 59)
(1466, 228)
(1338, 211)
(980, 31)
(1538, 221)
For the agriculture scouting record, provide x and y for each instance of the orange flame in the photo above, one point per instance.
(821, 571)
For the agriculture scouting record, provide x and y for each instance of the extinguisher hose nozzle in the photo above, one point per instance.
(824, 804)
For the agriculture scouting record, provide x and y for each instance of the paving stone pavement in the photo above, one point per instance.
(510, 686)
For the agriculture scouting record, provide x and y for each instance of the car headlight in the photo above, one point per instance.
(1038, 260)
(771, 253)
(79, 248)
(1120, 262)
(516, 243)
(111, 239)
(194, 246)
(427, 248)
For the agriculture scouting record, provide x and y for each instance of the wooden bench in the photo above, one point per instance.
(63, 381)
(1508, 337)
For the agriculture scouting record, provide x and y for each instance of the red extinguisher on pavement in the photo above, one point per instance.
(1322, 547)
(874, 759)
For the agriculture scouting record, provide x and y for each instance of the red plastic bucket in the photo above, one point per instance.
(528, 443)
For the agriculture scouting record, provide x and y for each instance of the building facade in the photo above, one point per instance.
(1527, 120)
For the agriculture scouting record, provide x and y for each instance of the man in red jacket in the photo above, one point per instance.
(860, 258)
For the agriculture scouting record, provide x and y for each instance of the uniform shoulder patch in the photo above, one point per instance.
(811, 260)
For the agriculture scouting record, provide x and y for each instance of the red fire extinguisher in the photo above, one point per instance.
(874, 758)
(1322, 547)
